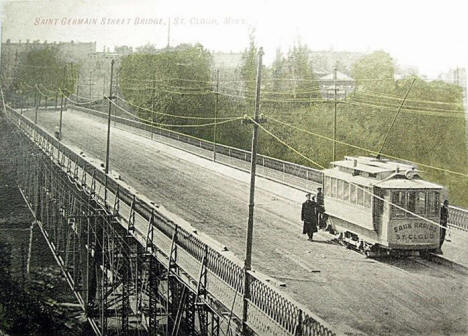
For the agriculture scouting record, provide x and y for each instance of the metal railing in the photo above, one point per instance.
(271, 312)
(289, 173)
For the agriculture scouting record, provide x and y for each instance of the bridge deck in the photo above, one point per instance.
(355, 294)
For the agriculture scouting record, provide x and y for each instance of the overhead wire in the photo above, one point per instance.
(173, 125)
(366, 149)
(172, 115)
(416, 108)
(404, 110)
(379, 95)
(287, 145)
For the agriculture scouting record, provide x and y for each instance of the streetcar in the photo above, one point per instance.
(358, 192)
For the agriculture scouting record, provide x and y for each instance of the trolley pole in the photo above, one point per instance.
(334, 113)
(109, 118)
(215, 114)
(248, 250)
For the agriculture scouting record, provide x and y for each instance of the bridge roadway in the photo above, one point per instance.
(356, 295)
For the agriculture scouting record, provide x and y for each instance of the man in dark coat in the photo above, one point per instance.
(320, 209)
(443, 222)
(309, 216)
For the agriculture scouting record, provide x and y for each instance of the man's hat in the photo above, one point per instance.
(308, 194)
(319, 188)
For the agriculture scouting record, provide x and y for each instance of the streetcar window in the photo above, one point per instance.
(345, 191)
(420, 202)
(360, 196)
(327, 186)
(352, 193)
(411, 201)
(333, 187)
(433, 203)
(340, 189)
(398, 198)
(367, 198)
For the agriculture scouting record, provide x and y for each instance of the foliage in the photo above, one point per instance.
(248, 67)
(173, 82)
(45, 69)
(23, 310)
(374, 72)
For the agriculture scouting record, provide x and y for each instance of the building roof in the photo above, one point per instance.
(339, 76)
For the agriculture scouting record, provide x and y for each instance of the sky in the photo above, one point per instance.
(429, 35)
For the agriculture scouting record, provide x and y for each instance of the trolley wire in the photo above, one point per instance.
(366, 149)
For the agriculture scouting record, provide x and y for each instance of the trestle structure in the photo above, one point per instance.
(132, 269)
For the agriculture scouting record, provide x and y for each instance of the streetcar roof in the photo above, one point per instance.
(372, 165)
(403, 183)
(361, 180)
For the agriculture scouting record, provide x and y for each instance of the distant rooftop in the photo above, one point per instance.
(339, 76)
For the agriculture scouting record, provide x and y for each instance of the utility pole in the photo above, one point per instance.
(109, 117)
(103, 89)
(334, 113)
(153, 93)
(77, 86)
(61, 103)
(60, 121)
(168, 32)
(215, 114)
(90, 84)
(38, 102)
(248, 250)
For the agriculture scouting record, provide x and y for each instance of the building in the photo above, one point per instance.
(458, 77)
(344, 86)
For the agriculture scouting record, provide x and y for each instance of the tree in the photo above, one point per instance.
(304, 84)
(248, 68)
(374, 72)
(170, 82)
(44, 69)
